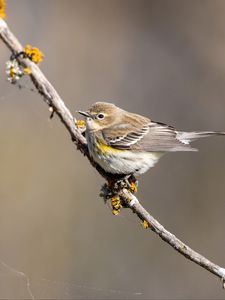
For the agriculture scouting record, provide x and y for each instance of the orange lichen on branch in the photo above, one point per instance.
(2, 9)
(133, 187)
(145, 224)
(27, 71)
(116, 205)
(80, 124)
(33, 54)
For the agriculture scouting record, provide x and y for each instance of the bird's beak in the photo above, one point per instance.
(85, 113)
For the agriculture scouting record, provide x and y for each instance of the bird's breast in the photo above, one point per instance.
(118, 161)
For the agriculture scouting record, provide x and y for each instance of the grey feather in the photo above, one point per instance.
(188, 137)
(162, 138)
(150, 137)
(143, 134)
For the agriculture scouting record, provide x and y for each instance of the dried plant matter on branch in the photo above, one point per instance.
(121, 194)
(2, 9)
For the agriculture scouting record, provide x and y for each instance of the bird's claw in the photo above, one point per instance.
(111, 191)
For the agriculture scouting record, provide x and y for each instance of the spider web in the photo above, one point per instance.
(15, 284)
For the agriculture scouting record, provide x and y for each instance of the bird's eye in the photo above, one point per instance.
(100, 116)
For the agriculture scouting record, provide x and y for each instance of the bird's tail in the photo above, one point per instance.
(188, 137)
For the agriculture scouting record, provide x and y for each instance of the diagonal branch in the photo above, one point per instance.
(51, 97)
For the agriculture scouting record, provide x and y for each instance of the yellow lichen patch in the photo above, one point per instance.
(116, 202)
(33, 53)
(2, 9)
(14, 71)
(133, 187)
(27, 71)
(115, 212)
(80, 124)
(145, 224)
(116, 205)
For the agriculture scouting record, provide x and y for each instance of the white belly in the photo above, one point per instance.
(123, 161)
(126, 162)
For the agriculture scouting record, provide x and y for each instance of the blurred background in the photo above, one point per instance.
(164, 59)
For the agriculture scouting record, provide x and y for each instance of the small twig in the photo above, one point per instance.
(52, 98)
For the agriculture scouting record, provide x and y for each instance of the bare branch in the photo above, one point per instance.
(178, 245)
(52, 98)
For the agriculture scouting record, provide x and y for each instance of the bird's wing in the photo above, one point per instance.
(125, 138)
(145, 136)
(162, 138)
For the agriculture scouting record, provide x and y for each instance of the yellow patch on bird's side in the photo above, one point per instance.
(106, 148)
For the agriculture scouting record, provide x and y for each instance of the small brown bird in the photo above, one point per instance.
(129, 144)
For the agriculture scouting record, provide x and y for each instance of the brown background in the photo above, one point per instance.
(163, 59)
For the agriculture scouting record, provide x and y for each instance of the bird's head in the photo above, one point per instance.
(101, 115)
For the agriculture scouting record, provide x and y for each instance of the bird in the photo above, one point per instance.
(129, 144)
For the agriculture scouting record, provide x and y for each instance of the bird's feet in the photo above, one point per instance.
(133, 184)
(128, 182)
(111, 191)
